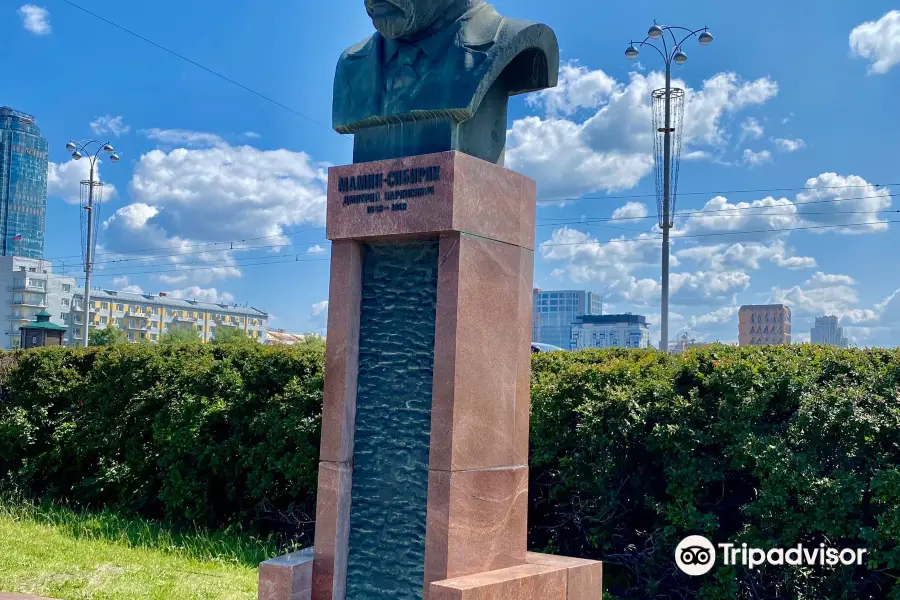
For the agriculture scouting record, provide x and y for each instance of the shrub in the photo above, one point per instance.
(633, 451)
(186, 433)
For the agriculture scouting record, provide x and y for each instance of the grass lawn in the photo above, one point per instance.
(70, 555)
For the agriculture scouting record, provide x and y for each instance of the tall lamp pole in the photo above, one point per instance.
(90, 149)
(666, 183)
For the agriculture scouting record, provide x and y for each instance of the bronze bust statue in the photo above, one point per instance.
(437, 75)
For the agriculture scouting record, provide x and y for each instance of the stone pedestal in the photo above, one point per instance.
(423, 479)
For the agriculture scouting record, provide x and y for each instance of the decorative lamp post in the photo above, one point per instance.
(668, 115)
(91, 197)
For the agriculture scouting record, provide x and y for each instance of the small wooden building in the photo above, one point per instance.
(41, 332)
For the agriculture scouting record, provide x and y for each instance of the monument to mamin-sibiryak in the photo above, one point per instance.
(423, 474)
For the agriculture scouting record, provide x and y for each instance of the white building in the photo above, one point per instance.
(827, 332)
(146, 317)
(610, 331)
(28, 286)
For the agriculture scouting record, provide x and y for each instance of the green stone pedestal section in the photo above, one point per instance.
(423, 479)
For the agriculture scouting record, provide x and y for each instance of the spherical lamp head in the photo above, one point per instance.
(76, 155)
(114, 157)
(108, 149)
(679, 57)
(631, 52)
(70, 146)
(655, 32)
(705, 38)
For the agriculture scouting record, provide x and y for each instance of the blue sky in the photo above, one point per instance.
(786, 97)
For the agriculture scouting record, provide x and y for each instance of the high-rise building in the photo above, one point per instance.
(23, 185)
(610, 331)
(147, 317)
(554, 312)
(828, 332)
(764, 324)
(28, 287)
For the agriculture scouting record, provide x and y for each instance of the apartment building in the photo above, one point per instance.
(147, 317)
(28, 287)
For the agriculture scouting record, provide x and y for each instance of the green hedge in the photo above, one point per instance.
(190, 434)
(631, 452)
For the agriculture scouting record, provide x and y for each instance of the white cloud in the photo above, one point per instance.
(746, 255)
(630, 210)
(109, 124)
(176, 137)
(822, 294)
(64, 180)
(202, 295)
(614, 263)
(230, 192)
(786, 145)
(35, 19)
(578, 88)
(185, 202)
(837, 195)
(121, 284)
(833, 199)
(755, 159)
(716, 317)
(320, 308)
(255, 136)
(787, 119)
(879, 42)
(613, 148)
(751, 129)
(317, 249)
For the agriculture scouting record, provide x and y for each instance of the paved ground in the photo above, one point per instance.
(5, 596)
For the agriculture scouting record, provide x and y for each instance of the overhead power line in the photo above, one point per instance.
(198, 65)
(723, 192)
(736, 232)
(296, 260)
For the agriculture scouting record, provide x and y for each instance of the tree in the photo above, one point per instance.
(231, 335)
(180, 335)
(110, 336)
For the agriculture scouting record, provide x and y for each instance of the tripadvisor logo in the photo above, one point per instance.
(695, 555)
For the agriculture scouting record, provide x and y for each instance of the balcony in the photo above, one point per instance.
(20, 318)
(136, 327)
(21, 286)
(29, 302)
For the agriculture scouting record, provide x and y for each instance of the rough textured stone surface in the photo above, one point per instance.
(525, 582)
(393, 421)
(287, 577)
(449, 85)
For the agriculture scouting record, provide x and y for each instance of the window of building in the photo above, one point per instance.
(119, 308)
(66, 287)
(64, 302)
(104, 305)
(103, 320)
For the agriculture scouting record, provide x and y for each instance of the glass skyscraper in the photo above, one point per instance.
(23, 185)
(554, 313)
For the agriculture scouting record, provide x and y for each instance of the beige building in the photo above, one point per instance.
(764, 324)
(146, 317)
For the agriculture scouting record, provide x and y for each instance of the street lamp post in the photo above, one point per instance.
(666, 203)
(81, 150)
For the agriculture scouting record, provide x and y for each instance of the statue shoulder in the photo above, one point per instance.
(360, 49)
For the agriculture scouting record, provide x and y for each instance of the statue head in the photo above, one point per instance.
(402, 18)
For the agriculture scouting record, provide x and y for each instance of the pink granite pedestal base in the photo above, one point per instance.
(483, 215)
